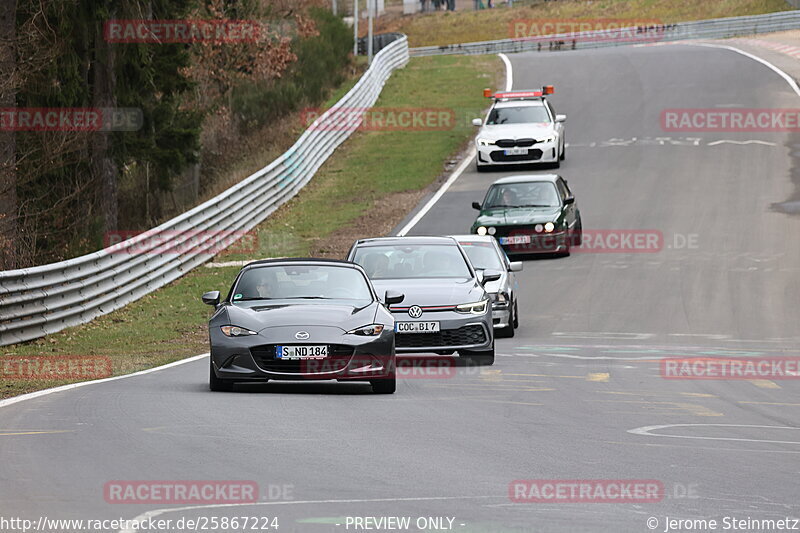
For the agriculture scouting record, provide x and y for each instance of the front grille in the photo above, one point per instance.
(338, 357)
(463, 336)
(498, 156)
(511, 143)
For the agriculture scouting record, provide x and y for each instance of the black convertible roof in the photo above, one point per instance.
(410, 239)
(300, 260)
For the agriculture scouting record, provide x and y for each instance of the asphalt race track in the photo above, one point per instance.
(565, 396)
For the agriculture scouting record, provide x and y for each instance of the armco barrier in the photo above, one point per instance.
(45, 299)
(701, 29)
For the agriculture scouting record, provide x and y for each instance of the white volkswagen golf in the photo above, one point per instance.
(521, 128)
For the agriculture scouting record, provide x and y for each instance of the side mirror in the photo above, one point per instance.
(211, 298)
(477, 122)
(476, 205)
(561, 118)
(490, 275)
(569, 200)
(393, 297)
(515, 266)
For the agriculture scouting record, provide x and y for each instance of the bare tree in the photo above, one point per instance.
(8, 179)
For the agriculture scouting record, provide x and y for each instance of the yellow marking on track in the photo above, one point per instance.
(43, 432)
(765, 384)
(544, 376)
(491, 387)
(648, 393)
(600, 377)
(692, 408)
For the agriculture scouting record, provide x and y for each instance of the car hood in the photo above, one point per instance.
(510, 216)
(259, 315)
(430, 292)
(536, 131)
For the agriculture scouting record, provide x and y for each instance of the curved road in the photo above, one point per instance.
(566, 395)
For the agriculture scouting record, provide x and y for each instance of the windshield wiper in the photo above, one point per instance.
(535, 205)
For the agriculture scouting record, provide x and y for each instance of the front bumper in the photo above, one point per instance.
(501, 317)
(350, 357)
(538, 153)
(457, 331)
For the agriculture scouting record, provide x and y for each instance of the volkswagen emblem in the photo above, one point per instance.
(301, 335)
(415, 311)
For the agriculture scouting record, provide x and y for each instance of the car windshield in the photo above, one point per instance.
(413, 261)
(482, 255)
(518, 115)
(309, 282)
(529, 194)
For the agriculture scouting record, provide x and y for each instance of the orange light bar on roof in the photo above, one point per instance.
(487, 93)
(518, 94)
(548, 89)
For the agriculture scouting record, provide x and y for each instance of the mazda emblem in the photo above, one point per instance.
(415, 311)
(301, 335)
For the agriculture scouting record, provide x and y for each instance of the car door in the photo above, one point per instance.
(559, 126)
(569, 210)
(511, 277)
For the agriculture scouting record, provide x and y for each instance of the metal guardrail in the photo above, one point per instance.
(701, 29)
(45, 299)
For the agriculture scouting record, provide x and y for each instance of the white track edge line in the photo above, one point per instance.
(45, 392)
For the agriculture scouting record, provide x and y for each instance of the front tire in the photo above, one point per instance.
(482, 168)
(216, 384)
(384, 386)
(508, 331)
(483, 358)
(516, 315)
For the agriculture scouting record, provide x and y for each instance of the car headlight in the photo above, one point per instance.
(474, 308)
(499, 299)
(550, 139)
(485, 142)
(549, 227)
(236, 331)
(481, 230)
(373, 330)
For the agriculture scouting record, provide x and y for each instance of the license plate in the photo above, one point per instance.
(416, 327)
(516, 151)
(515, 239)
(301, 352)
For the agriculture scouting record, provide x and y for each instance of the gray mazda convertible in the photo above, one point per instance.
(301, 319)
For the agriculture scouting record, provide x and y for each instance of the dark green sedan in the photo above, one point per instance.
(530, 214)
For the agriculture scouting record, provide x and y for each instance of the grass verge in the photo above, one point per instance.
(442, 27)
(365, 189)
